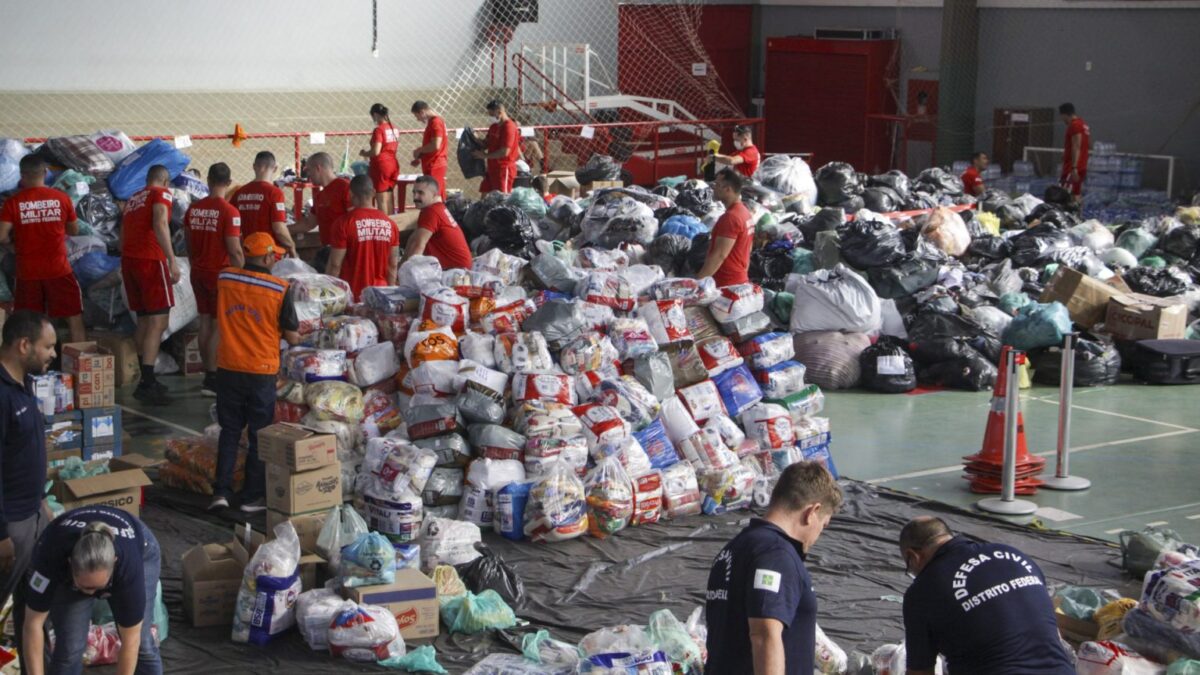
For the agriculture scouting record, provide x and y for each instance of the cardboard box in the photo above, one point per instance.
(1086, 298)
(134, 461)
(105, 451)
(562, 183)
(193, 362)
(212, 575)
(86, 357)
(127, 368)
(296, 447)
(94, 370)
(120, 489)
(602, 184)
(64, 431)
(308, 526)
(1144, 317)
(55, 392)
(412, 599)
(1073, 629)
(102, 425)
(303, 492)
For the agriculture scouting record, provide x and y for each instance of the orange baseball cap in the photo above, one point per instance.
(259, 244)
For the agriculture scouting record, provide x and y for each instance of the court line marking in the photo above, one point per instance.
(1117, 530)
(1045, 453)
(1157, 523)
(1133, 516)
(1195, 517)
(166, 423)
(1113, 414)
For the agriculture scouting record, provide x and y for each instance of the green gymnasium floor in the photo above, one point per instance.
(1136, 443)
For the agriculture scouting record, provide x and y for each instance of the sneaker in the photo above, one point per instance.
(151, 396)
(209, 386)
(254, 505)
(217, 503)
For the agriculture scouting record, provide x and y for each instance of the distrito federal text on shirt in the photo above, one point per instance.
(962, 576)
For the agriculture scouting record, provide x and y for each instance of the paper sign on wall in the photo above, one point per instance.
(316, 138)
(588, 132)
(699, 69)
(527, 132)
(184, 141)
(1020, 117)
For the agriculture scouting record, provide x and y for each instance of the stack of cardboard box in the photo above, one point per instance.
(1126, 315)
(94, 370)
(304, 478)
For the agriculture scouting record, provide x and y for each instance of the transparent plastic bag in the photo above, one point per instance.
(369, 561)
(557, 507)
(416, 273)
(342, 526)
(266, 600)
(681, 491)
(448, 542)
(540, 648)
(609, 498)
(671, 637)
(423, 659)
(331, 400)
(523, 353)
(348, 333)
(607, 288)
(315, 610)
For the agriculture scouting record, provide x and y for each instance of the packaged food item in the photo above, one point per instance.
(781, 380)
(304, 364)
(543, 386)
(677, 420)
(434, 380)
(478, 347)
(540, 451)
(266, 601)
(443, 307)
(506, 267)
(523, 353)
(609, 498)
(407, 469)
(477, 506)
(417, 273)
(317, 296)
(601, 259)
(768, 349)
(631, 400)
(747, 327)
(373, 365)
(654, 372)
(384, 299)
(690, 291)
(631, 337)
(588, 352)
(332, 400)
(481, 377)
(647, 498)
(493, 474)
(596, 317)
(681, 491)
(509, 520)
(736, 302)
(666, 320)
(730, 433)
(702, 400)
(427, 421)
(472, 284)
(315, 609)
(397, 516)
(769, 424)
(444, 487)
(700, 322)
(342, 526)
(557, 506)
(727, 489)
(507, 318)
(704, 450)
(602, 424)
(492, 441)
(430, 343)
(451, 449)
(738, 389)
(686, 366)
(718, 355)
(364, 633)
(478, 405)
(448, 542)
(807, 402)
(607, 288)
(657, 444)
(348, 333)
(393, 327)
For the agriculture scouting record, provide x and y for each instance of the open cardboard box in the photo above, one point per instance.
(122, 489)
(212, 575)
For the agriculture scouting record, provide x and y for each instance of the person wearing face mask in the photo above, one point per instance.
(745, 160)
(984, 607)
(760, 605)
(431, 155)
(503, 149)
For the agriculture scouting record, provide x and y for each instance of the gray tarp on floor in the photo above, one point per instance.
(578, 586)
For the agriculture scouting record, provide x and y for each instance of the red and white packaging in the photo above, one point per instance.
(602, 424)
(666, 320)
(702, 400)
(472, 284)
(677, 420)
(681, 490)
(543, 387)
(731, 434)
(435, 379)
(737, 302)
(647, 498)
(444, 307)
(706, 451)
(508, 318)
(718, 355)
(607, 288)
(770, 425)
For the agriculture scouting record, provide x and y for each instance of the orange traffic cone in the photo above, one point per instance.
(239, 135)
(984, 469)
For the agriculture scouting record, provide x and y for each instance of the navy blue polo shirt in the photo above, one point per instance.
(760, 574)
(985, 608)
(22, 452)
(51, 569)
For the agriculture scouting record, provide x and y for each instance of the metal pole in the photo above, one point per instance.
(1007, 504)
(1062, 479)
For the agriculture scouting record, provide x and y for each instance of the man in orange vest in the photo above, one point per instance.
(254, 312)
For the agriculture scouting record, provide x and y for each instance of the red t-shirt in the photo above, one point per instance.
(734, 224)
(368, 236)
(209, 221)
(436, 128)
(447, 244)
(504, 134)
(331, 203)
(972, 181)
(137, 225)
(261, 205)
(750, 159)
(386, 135)
(1077, 127)
(39, 218)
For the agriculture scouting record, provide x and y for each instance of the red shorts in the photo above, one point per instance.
(438, 173)
(383, 174)
(57, 298)
(204, 285)
(1076, 187)
(147, 285)
(499, 177)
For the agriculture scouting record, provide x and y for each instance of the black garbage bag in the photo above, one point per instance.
(670, 252)
(698, 253)
(825, 219)
(458, 205)
(971, 372)
(881, 199)
(489, 571)
(467, 144)
(1183, 242)
(1002, 278)
(100, 210)
(905, 277)
(758, 194)
(510, 230)
(770, 265)
(666, 191)
(895, 180)
(665, 213)
(991, 200)
(598, 168)
(871, 243)
(887, 367)
(474, 222)
(928, 325)
(1059, 197)
(1096, 364)
(990, 247)
(937, 181)
(1161, 283)
(837, 184)
(696, 196)
(1036, 246)
(1051, 214)
(918, 200)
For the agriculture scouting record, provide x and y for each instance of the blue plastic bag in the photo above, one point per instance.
(369, 561)
(196, 188)
(1038, 325)
(510, 510)
(687, 226)
(130, 174)
(423, 659)
(94, 266)
(738, 390)
(657, 444)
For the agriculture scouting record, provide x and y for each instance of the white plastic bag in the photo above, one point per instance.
(836, 299)
(736, 302)
(374, 364)
(342, 526)
(830, 658)
(364, 633)
(267, 598)
(418, 272)
(448, 542)
(666, 320)
(315, 610)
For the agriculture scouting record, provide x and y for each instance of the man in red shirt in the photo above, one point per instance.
(972, 178)
(366, 245)
(728, 260)
(431, 156)
(331, 202)
(37, 221)
(1075, 149)
(437, 234)
(503, 149)
(261, 204)
(746, 159)
(149, 269)
(214, 236)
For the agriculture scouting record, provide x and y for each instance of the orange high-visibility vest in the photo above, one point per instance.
(248, 306)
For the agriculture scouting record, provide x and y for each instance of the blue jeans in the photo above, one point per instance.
(245, 402)
(71, 614)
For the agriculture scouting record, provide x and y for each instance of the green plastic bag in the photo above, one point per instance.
(1139, 550)
(529, 201)
(1157, 262)
(56, 507)
(1048, 272)
(802, 261)
(781, 306)
(1137, 241)
(539, 647)
(672, 181)
(423, 659)
(1184, 667)
(1078, 602)
(1011, 302)
(671, 637)
(76, 468)
(75, 184)
(470, 613)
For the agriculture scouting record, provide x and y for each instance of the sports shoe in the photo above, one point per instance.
(254, 505)
(218, 502)
(151, 395)
(209, 386)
